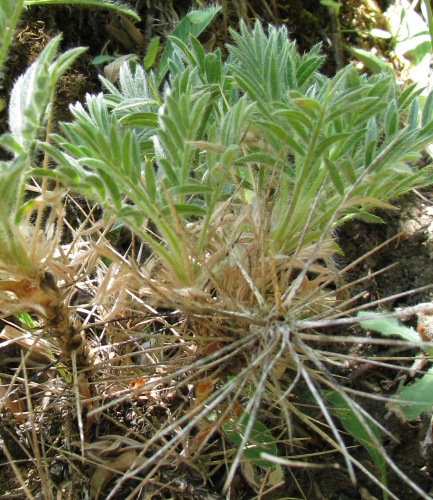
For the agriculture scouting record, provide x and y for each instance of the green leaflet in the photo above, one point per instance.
(390, 326)
(190, 189)
(139, 119)
(416, 398)
(356, 429)
(391, 119)
(149, 176)
(335, 176)
(103, 59)
(193, 23)
(282, 135)
(151, 53)
(334, 5)
(115, 5)
(182, 209)
(32, 91)
(260, 440)
(427, 110)
(430, 20)
(10, 11)
(25, 319)
(372, 62)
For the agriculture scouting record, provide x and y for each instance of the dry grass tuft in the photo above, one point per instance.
(123, 375)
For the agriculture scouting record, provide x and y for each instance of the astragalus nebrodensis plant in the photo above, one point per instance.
(233, 176)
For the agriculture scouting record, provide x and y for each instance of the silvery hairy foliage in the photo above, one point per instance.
(28, 107)
(264, 127)
(29, 102)
(10, 11)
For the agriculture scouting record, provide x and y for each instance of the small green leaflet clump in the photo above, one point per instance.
(414, 399)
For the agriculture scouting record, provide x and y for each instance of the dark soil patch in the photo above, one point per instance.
(412, 251)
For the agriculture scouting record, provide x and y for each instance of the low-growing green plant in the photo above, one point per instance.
(414, 399)
(294, 140)
(234, 176)
(244, 168)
